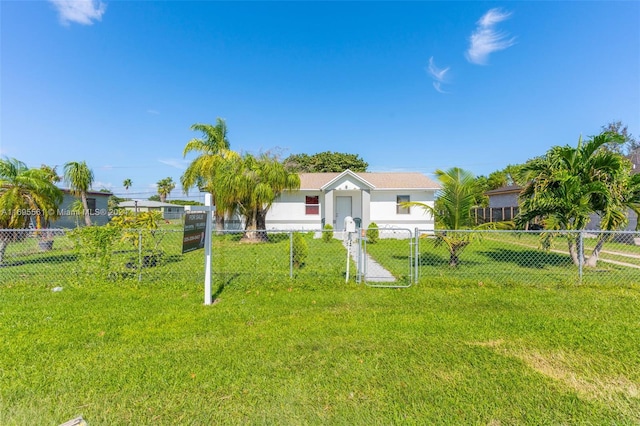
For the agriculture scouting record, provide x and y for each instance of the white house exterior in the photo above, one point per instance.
(327, 198)
(168, 210)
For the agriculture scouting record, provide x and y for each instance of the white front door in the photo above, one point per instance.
(343, 209)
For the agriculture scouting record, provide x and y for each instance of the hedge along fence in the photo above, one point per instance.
(101, 254)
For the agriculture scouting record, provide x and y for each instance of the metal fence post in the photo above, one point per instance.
(580, 256)
(417, 255)
(290, 255)
(139, 255)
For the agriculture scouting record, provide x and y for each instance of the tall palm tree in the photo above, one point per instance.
(251, 185)
(79, 177)
(566, 185)
(127, 183)
(25, 190)
(165, 186)
(213, 149)
(51, 173)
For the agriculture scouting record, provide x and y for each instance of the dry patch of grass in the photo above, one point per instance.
(576, 373)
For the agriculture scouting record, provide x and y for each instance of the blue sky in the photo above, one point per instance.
(409, 86)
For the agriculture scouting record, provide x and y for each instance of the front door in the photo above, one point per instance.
(343, 209)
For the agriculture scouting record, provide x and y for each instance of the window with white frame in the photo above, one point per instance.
(400, 209)
(312, 205)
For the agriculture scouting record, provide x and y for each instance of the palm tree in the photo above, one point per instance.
(127, 183)
(51, 173)
(25, 190)
(165, 186)
(213, 148)
(79, 177)
(453, 211)
(251, 185)
(566, 185)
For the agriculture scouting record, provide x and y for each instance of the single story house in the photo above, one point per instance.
(327, 198)
(168, 210)
(97, 201)
(503, 205)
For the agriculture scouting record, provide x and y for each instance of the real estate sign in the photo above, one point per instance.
(195, 226)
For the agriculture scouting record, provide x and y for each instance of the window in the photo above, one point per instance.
(399, 208)
(91, 205)
(312, 205)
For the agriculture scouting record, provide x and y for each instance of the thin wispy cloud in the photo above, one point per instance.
(438, 86)
(83, 12)
(172, 162)
(485, 39)
(438, 74)
(153, 112)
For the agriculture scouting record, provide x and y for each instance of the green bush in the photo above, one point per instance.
(327, 235)
(372, 233)
(300, 250)
(94, 246)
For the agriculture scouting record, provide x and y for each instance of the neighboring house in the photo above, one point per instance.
(168, 210)
(503, 205)
(327, 198)
(97, 202)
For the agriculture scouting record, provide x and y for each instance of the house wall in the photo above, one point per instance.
(503, 200)
(384, 212)
(68, 220)
(168, 212)
(594, 223)
(288, 212)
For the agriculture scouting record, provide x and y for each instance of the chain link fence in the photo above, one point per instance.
(391, 257)
(529, 257)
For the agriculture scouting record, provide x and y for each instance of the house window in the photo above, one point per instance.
(91, 205)
(399, 208)
(312, 205)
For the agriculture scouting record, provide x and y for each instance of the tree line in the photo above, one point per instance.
(561, 188)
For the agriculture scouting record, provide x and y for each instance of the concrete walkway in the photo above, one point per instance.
(374, 272)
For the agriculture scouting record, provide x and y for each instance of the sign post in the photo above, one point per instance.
(197, 234)
(349, 230)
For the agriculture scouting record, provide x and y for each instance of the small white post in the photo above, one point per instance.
(346, 278)
(207, 249)
(349, 229)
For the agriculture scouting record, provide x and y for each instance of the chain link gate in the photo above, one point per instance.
(389, 263)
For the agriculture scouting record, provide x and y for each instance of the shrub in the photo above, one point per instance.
(300, 250)
(93, 246)
(372, 233)
(327, 235)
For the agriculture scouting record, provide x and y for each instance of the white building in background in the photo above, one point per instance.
(327, 198)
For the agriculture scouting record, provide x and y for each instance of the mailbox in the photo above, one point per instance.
(349, 224)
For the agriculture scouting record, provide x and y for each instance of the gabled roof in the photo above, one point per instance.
(375, 180)
(510, 189)
(344, 174)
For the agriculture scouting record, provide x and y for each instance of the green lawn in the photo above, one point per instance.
(326, 353)
(506, 338)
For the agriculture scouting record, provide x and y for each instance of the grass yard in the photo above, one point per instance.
(336, 353)
(505, 259)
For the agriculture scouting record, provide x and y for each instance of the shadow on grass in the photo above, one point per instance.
(432, 259)
(56, 259)
(225, 282)
(528, 258)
